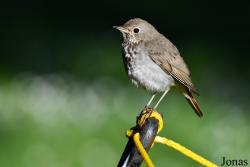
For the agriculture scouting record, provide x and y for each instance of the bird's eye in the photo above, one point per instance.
(136, 30)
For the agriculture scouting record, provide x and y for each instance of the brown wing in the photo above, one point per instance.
(166, 55)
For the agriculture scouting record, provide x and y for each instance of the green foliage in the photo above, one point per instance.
(54, 121)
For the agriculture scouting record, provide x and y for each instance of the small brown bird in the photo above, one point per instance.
(153, 62)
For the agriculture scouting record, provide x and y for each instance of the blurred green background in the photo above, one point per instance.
(66, 101)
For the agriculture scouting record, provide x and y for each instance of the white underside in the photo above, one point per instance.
(146, 73)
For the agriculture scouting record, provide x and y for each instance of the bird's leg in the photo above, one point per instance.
(148, 114)
(163, 95)
(147, 110)
(150, 101)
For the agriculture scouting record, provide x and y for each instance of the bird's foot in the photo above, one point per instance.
(144, 115)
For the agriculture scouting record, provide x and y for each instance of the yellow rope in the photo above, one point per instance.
(155, 115)
(184, 150)
(142, 151)
(165, 141)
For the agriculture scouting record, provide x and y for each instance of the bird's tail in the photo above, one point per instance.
(191, 100)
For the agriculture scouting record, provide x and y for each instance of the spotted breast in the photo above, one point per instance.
(143, 71)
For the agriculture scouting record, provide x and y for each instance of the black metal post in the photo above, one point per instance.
(131, 157)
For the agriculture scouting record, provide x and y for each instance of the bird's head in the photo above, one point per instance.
(136, 30)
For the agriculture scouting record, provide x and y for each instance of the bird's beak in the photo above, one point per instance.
(121, 29)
